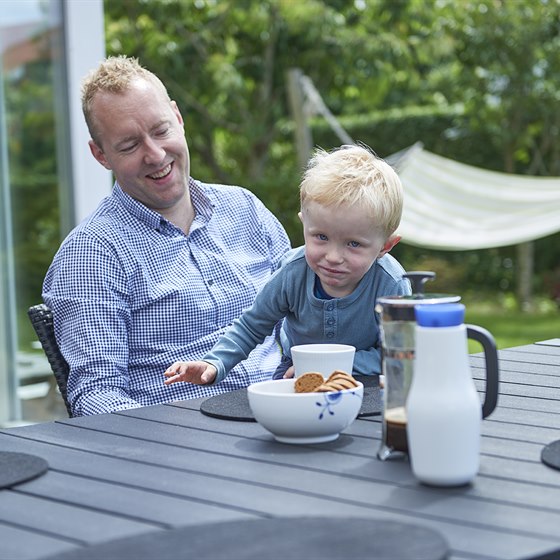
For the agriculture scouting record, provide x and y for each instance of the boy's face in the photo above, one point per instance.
(341, 244)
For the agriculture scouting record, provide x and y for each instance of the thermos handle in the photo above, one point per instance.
(492, 373)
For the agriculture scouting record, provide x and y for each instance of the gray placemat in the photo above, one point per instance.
(551, 555)
(550, 455)
(16, 468)
(549, 342)
(312, 538)
(234, 405)
(372, 405)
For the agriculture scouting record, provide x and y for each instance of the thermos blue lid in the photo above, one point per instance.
(440, 315)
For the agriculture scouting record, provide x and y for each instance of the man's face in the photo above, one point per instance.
(140, 137)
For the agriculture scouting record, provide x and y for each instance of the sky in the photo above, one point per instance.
(15, 12)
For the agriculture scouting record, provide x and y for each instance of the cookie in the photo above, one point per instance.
(339, 374)
(337, 381)
(308, 382)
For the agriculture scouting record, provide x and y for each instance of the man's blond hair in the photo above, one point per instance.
(354, 175)
(113, 75)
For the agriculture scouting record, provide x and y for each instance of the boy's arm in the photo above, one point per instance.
(368, 362)
(249, 330)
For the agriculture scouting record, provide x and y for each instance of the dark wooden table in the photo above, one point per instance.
(170, 466)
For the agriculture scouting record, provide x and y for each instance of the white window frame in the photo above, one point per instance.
(84, 33)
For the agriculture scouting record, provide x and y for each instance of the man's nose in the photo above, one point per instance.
(153, 152)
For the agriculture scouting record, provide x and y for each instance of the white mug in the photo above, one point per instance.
(322, 358)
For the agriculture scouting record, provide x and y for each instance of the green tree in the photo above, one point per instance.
(33, 179)
(225, 63)
(506, 74)
(393, 71)
(507, 63)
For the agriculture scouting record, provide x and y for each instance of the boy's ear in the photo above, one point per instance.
(300, 216)
(389, 244)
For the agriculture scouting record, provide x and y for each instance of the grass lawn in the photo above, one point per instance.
(511, 327)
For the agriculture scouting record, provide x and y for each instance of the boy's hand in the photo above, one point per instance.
(200, 373)
(289, 372)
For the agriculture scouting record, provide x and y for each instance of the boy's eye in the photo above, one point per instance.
(322, 237)
(354, 244)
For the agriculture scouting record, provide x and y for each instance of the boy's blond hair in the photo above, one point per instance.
(113, 75)
(354, 175)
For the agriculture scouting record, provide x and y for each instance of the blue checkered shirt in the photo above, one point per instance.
(131, 294)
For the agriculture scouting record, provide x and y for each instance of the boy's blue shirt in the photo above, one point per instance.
(289, 295)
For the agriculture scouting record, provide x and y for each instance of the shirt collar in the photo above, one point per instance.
(201, 200)
(202, 204)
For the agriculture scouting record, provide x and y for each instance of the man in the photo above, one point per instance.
(163, 265)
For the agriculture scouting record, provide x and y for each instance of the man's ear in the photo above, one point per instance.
(98, 154)
(389, 244)
(177, 112)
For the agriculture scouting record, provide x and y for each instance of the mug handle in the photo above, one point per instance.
(492, 372)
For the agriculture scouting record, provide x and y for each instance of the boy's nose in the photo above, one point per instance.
(334, 255)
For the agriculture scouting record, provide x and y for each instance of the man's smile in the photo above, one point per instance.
(163, 173)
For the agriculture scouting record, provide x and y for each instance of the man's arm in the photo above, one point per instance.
(87, 292)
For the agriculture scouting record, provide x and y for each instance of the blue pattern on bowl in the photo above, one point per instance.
(330, 400)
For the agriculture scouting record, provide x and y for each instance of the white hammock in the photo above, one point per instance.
(453, 206)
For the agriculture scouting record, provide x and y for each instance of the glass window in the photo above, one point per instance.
(35, 193)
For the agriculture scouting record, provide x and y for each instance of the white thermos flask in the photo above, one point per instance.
(443, 407)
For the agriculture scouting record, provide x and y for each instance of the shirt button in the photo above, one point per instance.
(330, 334)
(210, 282)
(330, 321)
(330, 307)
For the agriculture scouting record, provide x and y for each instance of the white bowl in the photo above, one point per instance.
(303, 417)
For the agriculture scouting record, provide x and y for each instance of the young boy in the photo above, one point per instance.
(351, 205)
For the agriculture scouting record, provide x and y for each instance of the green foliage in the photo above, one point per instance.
(509, 325)
(506, 73)
(32, 177)
(473, 81)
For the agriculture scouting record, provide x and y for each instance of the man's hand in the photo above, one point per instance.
(200, 373)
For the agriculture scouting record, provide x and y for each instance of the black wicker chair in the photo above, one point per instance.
(42, 320)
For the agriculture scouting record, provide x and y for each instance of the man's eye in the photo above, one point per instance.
(128, 148)
(162, 131)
